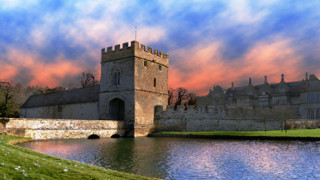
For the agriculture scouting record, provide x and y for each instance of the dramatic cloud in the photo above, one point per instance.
(203, 65)
(35, 72)
(49, 43)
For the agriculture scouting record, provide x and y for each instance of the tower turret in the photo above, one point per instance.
(134, 79)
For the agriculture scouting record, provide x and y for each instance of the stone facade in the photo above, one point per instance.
(305, 94)
(63, 128)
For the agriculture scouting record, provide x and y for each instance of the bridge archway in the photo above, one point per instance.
(115, 136)
(94, 136)
(116, 109)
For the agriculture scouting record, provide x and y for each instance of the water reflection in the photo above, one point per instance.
(175, 158)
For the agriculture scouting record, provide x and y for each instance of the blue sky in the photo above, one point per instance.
(49, 43)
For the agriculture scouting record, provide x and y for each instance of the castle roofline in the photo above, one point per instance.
(73, 96)
(135, 50)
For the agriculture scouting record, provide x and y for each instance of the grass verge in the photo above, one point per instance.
(290, 134)
(20, 163)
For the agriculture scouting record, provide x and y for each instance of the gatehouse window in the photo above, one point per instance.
(116, 78)
(145, 63)
(160, 68)
(154, 82)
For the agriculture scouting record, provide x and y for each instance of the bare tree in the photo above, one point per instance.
(192, 100)
(171, 96)
(182, 94)
(283, 113)
(6, 103)
(87, 79)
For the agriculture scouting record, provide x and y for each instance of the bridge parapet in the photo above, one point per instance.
(63, 128)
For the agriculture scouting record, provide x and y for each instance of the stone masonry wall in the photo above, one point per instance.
(222, 119)
(144, 111)
(63, 128)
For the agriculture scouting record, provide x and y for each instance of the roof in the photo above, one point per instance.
(73, 96)
(294, 87)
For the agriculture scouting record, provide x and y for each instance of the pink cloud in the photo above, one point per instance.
(41, 73)
(201, 67)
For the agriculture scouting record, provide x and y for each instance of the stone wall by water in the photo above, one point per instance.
(63, 128)
(213, 118)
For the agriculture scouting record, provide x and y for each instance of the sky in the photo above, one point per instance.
(210, 42)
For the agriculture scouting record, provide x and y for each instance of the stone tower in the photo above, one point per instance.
(133, 81)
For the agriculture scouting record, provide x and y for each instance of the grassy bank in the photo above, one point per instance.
(20, 163)
(290, 134)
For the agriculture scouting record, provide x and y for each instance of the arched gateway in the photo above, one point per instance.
(116, 109)
(138, 75)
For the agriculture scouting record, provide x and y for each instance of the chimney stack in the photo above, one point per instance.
(265, 80)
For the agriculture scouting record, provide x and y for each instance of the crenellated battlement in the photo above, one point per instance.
(135, 49)
(218, 112)
(220, 118)
(190, 111)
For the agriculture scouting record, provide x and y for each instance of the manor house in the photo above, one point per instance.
(303, 95)
(134, 79)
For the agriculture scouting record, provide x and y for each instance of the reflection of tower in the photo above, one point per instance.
(144, 156)
(133, 81)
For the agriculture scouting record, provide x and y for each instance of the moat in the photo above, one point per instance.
(178, 158)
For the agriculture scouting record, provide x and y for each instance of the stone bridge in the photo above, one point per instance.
(64, 128)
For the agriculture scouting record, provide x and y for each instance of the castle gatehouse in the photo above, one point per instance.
(134, 79)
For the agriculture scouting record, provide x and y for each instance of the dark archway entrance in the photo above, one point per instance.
(116, 109)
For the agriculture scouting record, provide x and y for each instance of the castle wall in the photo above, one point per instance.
(67, 111)
(214, 118)
(63, 128)
(144, 111)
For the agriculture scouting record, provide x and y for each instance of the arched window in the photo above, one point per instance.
(116, 76)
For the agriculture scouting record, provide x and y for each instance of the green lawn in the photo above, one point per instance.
(20, 163)
(314, 133)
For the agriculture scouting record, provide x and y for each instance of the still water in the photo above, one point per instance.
(179, 158)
